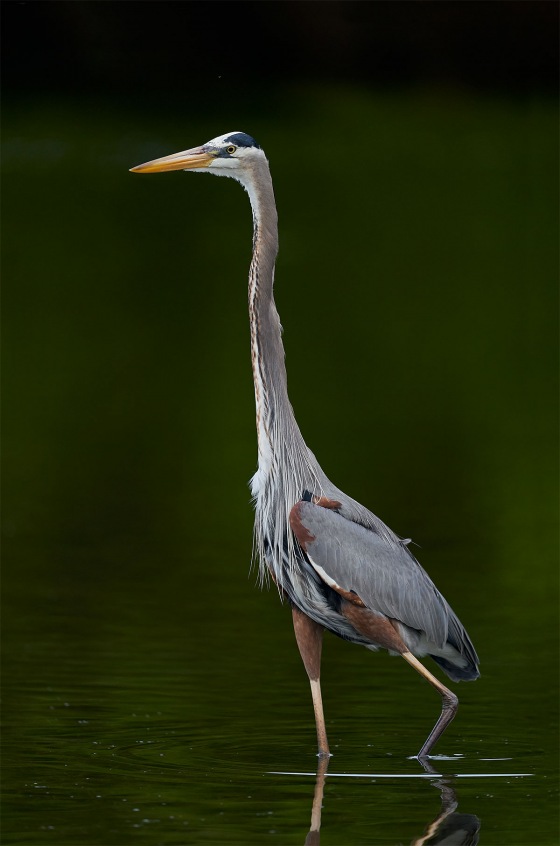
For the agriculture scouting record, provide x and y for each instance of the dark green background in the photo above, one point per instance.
(413, 149)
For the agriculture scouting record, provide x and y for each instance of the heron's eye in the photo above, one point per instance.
(231, 149)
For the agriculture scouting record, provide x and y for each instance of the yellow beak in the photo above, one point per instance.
(187, 160)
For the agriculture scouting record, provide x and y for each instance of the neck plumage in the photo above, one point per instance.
(267, 350)
(286, 467)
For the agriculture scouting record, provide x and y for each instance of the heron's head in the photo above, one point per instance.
(231, 154)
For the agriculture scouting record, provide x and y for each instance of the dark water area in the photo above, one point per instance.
(152, 693)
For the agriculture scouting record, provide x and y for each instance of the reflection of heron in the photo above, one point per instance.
(447, 829)
(339, 565)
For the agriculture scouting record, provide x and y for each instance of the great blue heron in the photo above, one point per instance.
(339, 565)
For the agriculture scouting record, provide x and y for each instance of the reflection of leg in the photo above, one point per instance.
(450, 703)
(448, 827)
(313, 837)
(448, 796)
(309, 636)
(433, 828)
(448, 806)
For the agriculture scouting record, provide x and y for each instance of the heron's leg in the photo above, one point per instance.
(382, 632)
(309, 636)
(450, 703)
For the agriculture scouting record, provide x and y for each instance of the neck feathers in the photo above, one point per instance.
(286, 467)
(267, 350)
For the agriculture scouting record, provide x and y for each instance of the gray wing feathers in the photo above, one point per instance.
(382, 571)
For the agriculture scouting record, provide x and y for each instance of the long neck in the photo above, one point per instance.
(275, 418)
(286, 467)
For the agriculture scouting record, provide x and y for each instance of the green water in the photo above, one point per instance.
(151, 692)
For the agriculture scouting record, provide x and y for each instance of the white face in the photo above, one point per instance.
(233, 150)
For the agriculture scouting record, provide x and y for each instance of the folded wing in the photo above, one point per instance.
(382, 573)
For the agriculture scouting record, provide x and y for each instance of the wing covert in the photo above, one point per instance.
(383, 574)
